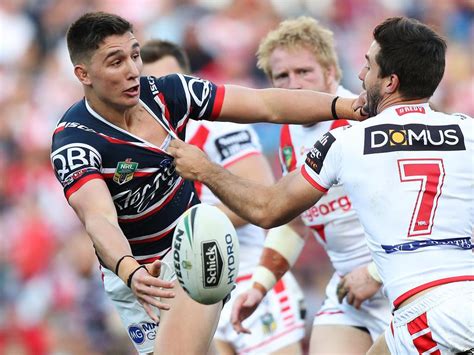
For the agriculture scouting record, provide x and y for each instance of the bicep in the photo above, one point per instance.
(93, 199)
(293, 194)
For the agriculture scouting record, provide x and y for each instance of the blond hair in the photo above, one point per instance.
(302, 32)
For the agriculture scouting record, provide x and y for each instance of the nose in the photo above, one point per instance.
(134, 68)
(362, 73)
(294, 81)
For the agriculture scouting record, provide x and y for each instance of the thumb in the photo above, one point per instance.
(154, 268)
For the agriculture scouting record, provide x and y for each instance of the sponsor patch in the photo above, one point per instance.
(124, 171)
(212, 264)
(412, 137)
(73, 158)
(315, 157)
(463, 243)
(288, 156)
(233, 143)
(410, 109)
(141, 332)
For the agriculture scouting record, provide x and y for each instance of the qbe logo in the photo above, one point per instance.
(136, 334)
(212, 264)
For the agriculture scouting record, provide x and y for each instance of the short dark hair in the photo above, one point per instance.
(414, 52)
(156, 49)
(86, 34)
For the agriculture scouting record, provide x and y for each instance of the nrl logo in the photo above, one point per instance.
(288, 156)
(124, 171)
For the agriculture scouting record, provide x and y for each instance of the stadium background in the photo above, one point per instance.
(51, 299)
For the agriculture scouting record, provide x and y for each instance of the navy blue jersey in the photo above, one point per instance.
(148, 194)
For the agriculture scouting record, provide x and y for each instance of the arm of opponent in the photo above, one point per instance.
(265, 206)
(254, 167)
(94, 207)
(245, 105)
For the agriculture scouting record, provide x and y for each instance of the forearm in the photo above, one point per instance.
(236, 220)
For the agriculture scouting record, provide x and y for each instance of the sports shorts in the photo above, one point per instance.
(373, 314)
(140, 327)
(439, 322)
(277, 322)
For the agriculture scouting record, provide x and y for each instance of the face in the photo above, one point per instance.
(299, 69)
(371, 81)
(164, 66)
(113, 74)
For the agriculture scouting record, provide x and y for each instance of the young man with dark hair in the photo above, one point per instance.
(109, 153)
(405, 171)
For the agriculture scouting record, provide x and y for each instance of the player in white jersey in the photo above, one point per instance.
(278, 325)
(409, 175)
(300, 54)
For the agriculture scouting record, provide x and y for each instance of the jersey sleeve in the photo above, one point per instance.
(74, 159)
(181, 97)
(323, 162)
(286, 151)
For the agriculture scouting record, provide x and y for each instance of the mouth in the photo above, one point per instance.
(133, 91)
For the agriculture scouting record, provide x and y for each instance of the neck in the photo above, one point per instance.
(118, 116)
(396, 99)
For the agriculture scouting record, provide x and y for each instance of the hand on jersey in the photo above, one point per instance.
(190, 161)
(357, 286)
(243, 308)
(149, 288)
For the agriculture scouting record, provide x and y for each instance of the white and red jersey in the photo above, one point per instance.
(226, 143)
(332, 220)
(409, 173)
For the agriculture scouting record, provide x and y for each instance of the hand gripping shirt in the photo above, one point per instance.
(409, 174)
(148, 194)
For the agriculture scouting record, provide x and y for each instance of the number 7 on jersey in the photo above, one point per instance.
(430, 174)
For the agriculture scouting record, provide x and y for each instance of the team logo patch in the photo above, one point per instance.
(124, 171)
(213, 264)
(233, 143)
(268, 323)
(317, 154)
(288, 156)
(415, 137)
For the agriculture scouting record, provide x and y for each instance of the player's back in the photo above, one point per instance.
(409, 173)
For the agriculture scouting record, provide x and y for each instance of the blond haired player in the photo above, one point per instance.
(277, 326)
(407, 172)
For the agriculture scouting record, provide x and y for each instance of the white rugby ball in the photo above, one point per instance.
(205, 253)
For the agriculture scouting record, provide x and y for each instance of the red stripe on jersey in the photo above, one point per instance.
(279, 286)
(151, 239)
(148, 214)
(329, 313)
(339, 123)
(218, 101)
(319, 228)
(136, 173)
(425, 286)
(286, 141)
(79, 183)
(230, 163)
(424, 341)
(120, 141)
(271, 339)
(243, 278)
(311, 180)
(163, 101)
(59, 129)
(199, 140)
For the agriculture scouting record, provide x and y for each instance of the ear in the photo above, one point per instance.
(392, 84)
(82, 74)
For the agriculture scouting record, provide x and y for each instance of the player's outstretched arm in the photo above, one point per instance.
(94, 207)
(245, 105)
(265, 206)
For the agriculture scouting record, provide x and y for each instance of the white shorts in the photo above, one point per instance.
(140, 327)
(277, 321)
(374, 313)
(438, 322)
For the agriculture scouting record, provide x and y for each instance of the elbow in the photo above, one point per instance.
(266, 220)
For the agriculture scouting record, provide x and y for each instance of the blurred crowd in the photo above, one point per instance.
(51, 299)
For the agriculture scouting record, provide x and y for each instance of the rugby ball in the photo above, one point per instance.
(205, 253)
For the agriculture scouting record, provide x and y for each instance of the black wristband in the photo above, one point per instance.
(119, 261)
(333, 108)
(129, 280)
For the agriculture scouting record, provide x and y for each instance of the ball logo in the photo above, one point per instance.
(136, 334)
(415, 137)
(212, 265)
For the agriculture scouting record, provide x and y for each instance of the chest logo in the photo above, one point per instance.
(288, 157)
(124, 171)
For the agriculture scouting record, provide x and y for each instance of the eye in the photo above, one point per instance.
(115, 63)
(136, 56)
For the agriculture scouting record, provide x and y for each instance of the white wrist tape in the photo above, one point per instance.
(285, 241)
(264, 277)
(373, 272)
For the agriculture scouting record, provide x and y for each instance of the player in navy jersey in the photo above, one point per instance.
(109, 153)
(408, 173)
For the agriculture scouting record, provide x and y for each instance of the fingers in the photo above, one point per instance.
(149, 300)
(239, 314)
(341, 291)
(151, 314)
